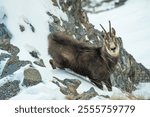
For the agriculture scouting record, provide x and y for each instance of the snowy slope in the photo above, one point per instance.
(34, 12)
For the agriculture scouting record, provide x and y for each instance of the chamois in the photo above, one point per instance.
(97, 63)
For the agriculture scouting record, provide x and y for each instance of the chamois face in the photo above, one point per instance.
(110, 42)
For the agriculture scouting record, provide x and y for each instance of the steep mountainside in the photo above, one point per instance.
(25, 72)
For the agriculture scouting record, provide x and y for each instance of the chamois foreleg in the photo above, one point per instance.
(55, 64)
(97, 83)
(108, 84)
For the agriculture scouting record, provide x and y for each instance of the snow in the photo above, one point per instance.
(2, 14)
(130, 23)
(143, 91)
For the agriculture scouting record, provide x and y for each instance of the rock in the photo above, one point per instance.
(53, 27)
(55, 3)
(10, 48)
(5, 35)
(31, 77)
(31, 26)
(34, 54)
(39, 62)
(56, 19)
(3, 56)
(22, 28)
(129, 73)
(70, 89)
(12, 65)
(86, 95)
(9, 90)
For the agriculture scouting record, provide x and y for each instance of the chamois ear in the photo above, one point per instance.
(113, 32)
(104, 35)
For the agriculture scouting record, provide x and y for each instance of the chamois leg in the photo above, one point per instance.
(55, 64)
(97, 83)
(108, 84)
(52, 63)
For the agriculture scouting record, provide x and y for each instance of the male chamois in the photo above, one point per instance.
(96, 63)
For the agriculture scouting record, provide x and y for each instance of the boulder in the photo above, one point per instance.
(31, 77)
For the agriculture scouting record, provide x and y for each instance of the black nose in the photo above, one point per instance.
(113, 48)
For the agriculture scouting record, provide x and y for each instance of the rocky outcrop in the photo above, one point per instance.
(69, 89)
(12, 65)
(31, 77)
(127, 75)
(5, 35)
(3, 56)
(9, 90)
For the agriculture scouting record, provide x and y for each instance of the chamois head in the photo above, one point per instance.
(110, 42)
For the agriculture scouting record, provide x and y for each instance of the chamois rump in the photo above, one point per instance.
(97, 63)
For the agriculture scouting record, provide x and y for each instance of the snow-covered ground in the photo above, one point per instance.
(130, 21)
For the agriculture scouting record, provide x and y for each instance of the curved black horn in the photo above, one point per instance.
(110, 28)
(104, 29)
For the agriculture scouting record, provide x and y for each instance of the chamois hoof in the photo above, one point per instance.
(52, 63)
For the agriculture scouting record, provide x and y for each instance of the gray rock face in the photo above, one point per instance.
(10, 48)
(3, 56)
(31, 77)
(5, 35)
(12, 65)
(129, 73)
(9, 90)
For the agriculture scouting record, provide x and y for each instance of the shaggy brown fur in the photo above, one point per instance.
(93, 62)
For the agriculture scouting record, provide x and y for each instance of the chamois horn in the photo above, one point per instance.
(110, 28)
(105, 31)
